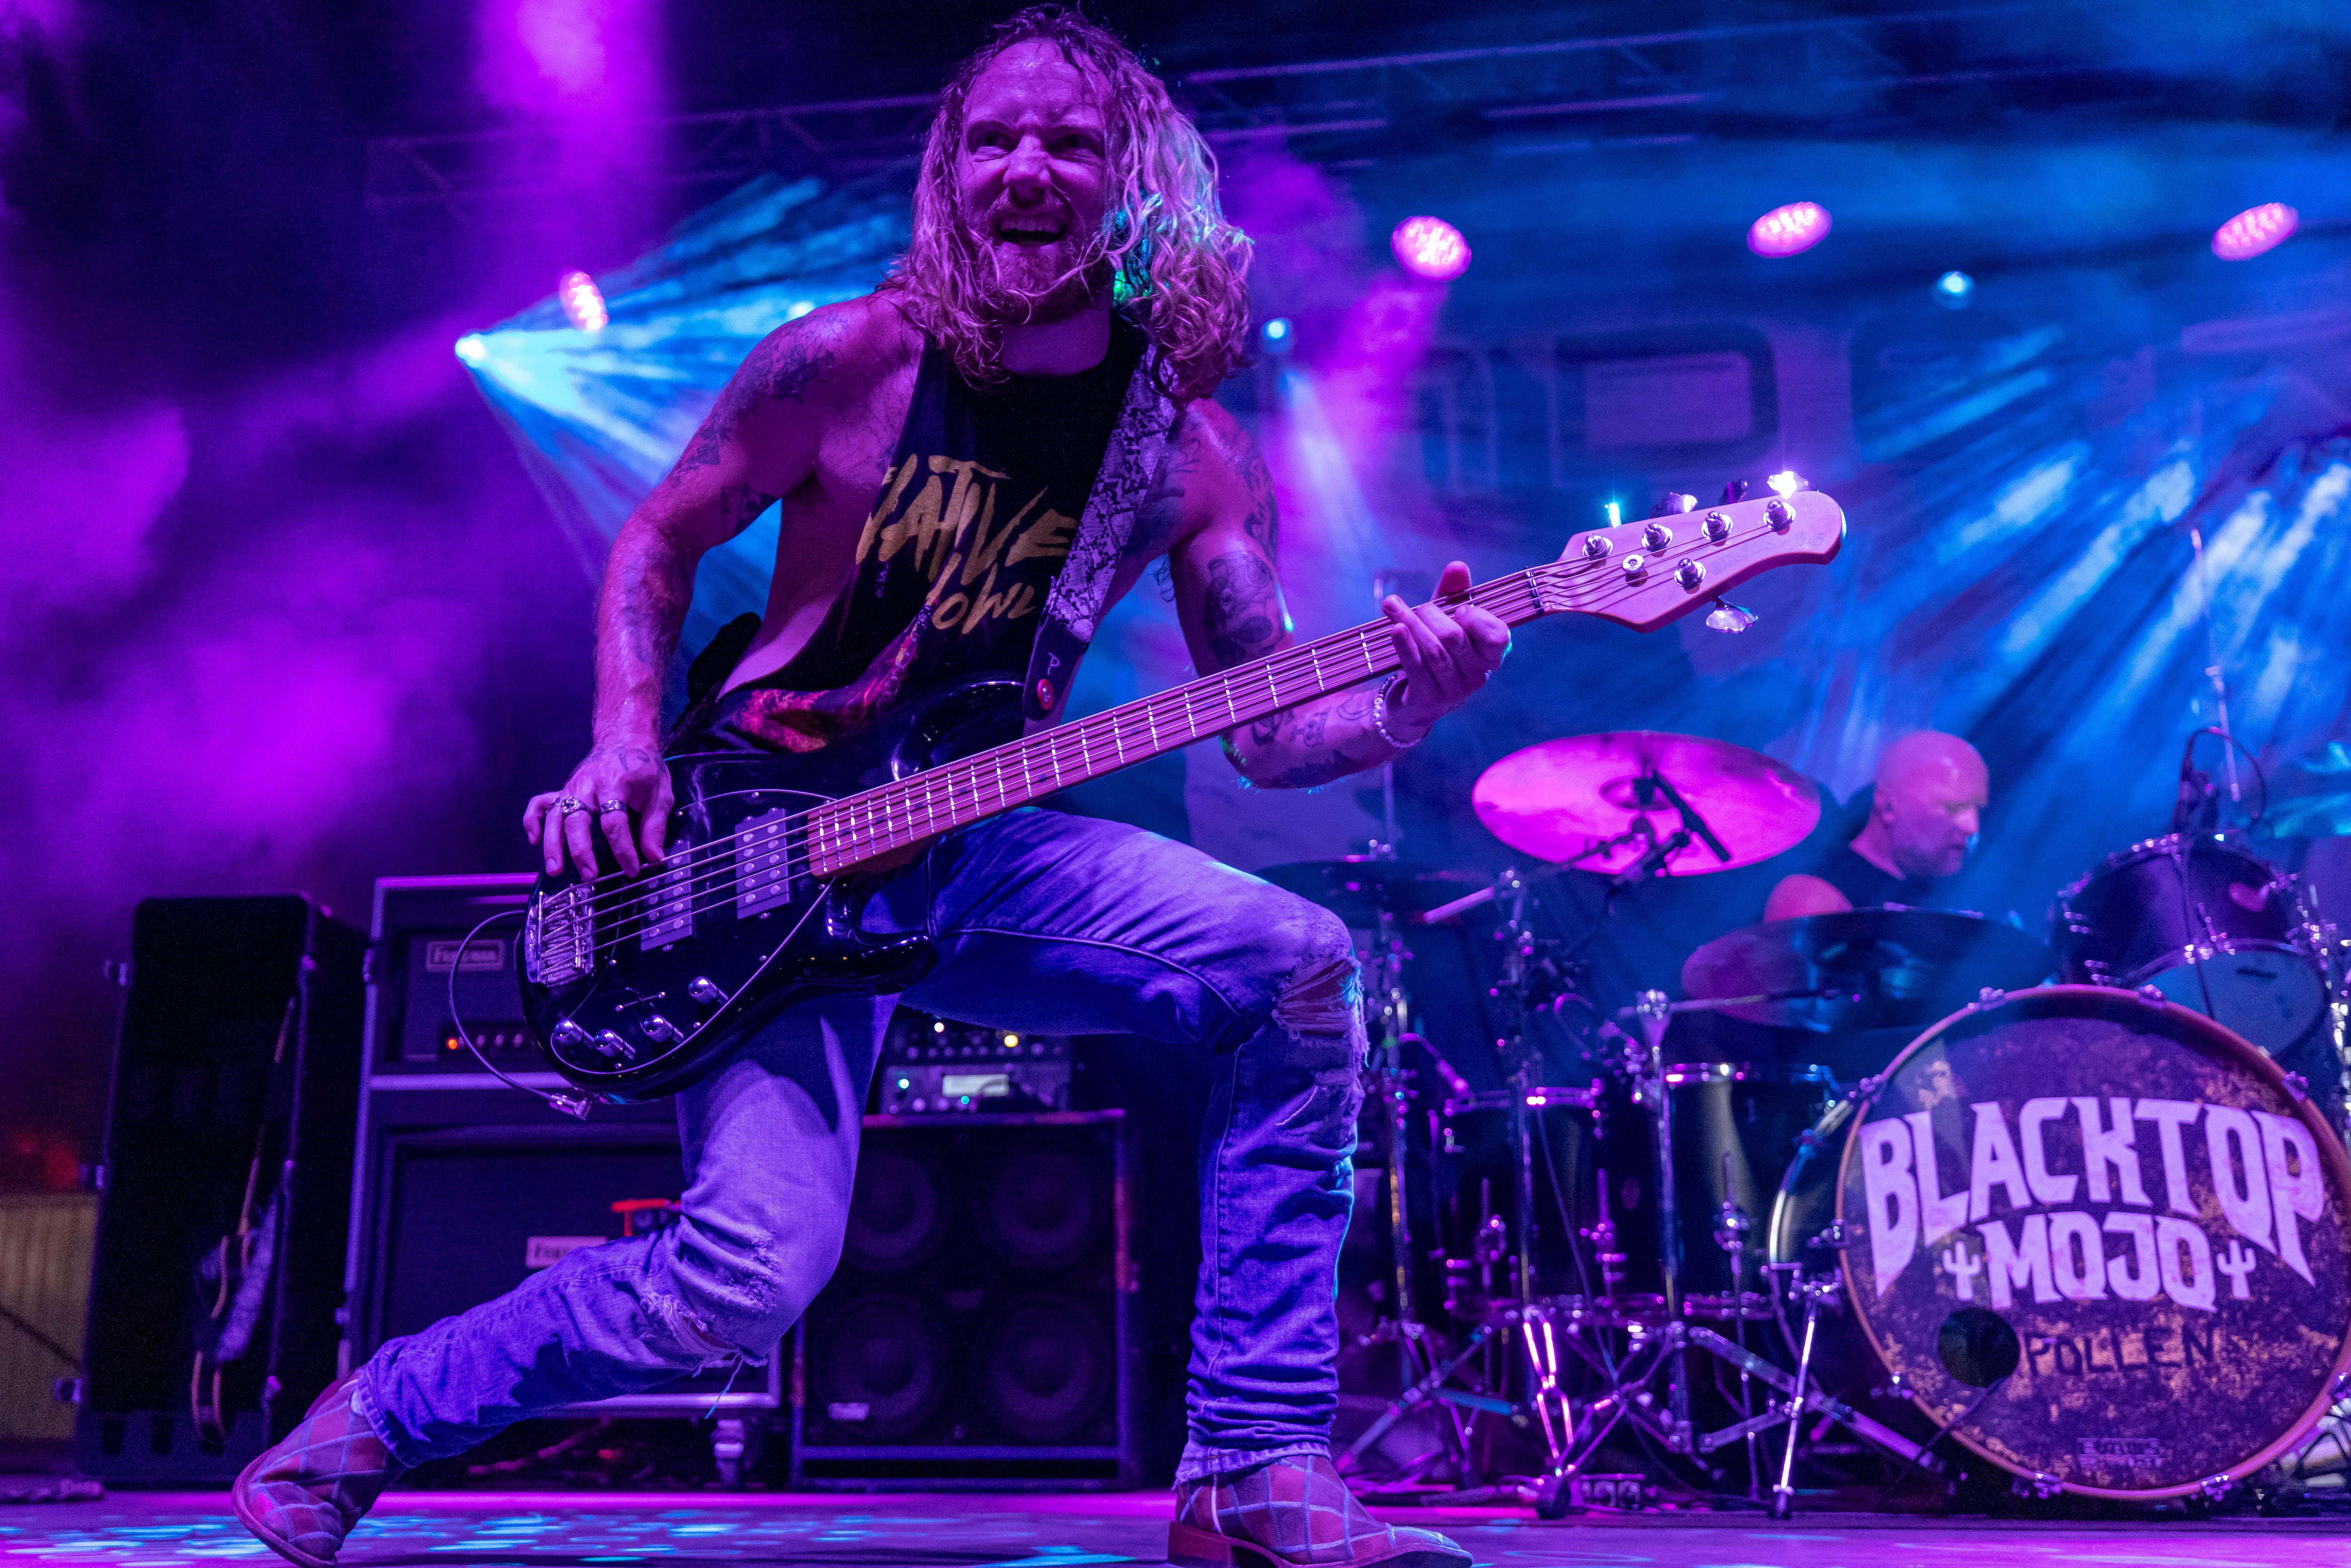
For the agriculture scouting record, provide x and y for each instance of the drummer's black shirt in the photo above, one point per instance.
(1869, 888)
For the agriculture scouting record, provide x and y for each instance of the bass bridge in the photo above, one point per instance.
(559, 935)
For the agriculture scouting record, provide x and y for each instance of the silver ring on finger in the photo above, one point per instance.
(567, 804)
(606, 806)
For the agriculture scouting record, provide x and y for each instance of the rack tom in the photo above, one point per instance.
(2212, 926)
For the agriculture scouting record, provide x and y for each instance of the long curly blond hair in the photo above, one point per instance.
(1178, 269)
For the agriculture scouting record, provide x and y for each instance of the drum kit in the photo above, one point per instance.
(2075, 1215)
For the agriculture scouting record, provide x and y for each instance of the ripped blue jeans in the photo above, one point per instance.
(1044, 923)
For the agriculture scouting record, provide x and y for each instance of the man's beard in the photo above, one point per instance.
(1035, 286)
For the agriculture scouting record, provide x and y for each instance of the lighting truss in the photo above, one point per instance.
(1592, 94)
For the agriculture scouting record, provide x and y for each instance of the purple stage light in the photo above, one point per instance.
(2255, 230)
(583, 301)
(1431, 249)
(1785, 231)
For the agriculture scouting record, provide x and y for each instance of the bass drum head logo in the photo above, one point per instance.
(2110, 1228)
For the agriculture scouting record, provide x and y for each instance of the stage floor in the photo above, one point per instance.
(542, 1530)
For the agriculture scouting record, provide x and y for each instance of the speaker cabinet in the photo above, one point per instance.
(980, 1332)
(227, 1170)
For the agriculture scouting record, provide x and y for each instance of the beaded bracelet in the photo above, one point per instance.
(1380, 714)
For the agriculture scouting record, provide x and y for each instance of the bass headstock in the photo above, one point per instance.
(1649, 573)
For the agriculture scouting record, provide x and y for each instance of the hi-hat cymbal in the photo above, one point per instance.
(1864, 968)
(1577, 798)
(1357, 887)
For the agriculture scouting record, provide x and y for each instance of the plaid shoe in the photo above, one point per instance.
(302, 1497)
(1291, 1513)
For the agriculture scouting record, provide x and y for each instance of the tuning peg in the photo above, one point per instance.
(1727, 617)
(1733, 491)
(1673, 504)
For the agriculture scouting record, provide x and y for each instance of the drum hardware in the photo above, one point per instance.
(1823, 1290)
(1732, 1225)
(1428, 1388)
(1603, 1237)
(1376, 884)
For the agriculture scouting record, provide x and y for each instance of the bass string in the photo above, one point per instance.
(1517, 594)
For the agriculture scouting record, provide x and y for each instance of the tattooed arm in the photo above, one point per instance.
(1216, 509)
(759, 443)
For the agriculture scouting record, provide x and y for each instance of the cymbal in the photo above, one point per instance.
(1864, 968)
(1565, 799)
(1357, 887)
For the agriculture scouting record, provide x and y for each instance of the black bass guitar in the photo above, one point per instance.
(637, 986)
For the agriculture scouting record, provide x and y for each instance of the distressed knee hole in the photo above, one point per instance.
(1322, 998)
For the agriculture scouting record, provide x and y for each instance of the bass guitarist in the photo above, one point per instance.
(973, 463)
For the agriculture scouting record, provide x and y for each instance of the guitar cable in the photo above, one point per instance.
(569, 1104)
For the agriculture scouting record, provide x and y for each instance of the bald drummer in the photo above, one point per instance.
(1924, 815)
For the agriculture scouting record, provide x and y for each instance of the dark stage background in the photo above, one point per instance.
(284, 603)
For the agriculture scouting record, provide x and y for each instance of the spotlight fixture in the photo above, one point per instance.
(583, 301)
(1431, 249)
(1787, 482)
(1955, 291)
(1278, 335)
(2255, 230)
(1785, 231)
(470, 349)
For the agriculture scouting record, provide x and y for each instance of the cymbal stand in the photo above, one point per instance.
(1647, 1060)
(1825, 1290)
(1421, 1363)
(1732, 1225)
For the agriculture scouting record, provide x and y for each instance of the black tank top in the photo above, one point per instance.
(963, 543)
(1866, 886)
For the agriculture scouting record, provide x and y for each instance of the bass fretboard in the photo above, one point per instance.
(893, 816)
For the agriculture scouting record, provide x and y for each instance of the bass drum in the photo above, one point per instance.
(2133, 1191)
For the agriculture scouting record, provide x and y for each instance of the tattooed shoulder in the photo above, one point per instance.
(788, 362)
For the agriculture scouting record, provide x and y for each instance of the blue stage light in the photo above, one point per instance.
(600, 415)
(1955, 291)
(1278, 335)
